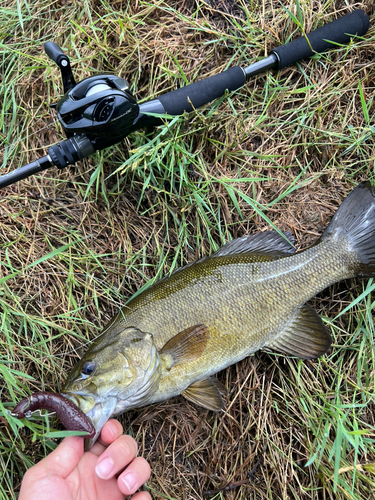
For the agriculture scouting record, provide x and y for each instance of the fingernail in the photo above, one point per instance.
(104, 468)
(130, 481)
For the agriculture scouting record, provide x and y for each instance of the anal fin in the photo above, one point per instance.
(305, 337)
(206, 393)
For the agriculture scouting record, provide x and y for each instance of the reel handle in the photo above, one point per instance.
(55, 53)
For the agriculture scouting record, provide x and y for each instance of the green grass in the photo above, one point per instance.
(75, 245)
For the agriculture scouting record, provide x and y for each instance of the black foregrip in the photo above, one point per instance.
(199, 93)
(339, 31)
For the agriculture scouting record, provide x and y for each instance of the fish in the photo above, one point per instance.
(175, 336)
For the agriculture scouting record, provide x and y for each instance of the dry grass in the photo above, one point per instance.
(284, 150)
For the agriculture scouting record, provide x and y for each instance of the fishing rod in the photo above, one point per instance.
(100, 111)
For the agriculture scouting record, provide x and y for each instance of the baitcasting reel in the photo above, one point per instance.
(100, 106)
(100, 110)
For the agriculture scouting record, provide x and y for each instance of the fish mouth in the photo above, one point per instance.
(99, 414)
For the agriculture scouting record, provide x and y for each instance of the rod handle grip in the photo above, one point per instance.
(322, 39)
(202, 92)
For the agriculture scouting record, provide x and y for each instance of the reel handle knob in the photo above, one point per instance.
(55, 53)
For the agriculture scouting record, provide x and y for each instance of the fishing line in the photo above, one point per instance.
(22, 139)
(29, 413)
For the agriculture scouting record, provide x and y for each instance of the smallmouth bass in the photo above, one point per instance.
(249, 295)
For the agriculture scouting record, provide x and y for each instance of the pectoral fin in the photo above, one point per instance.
(305, 337)
(206, 393)
(185, 346)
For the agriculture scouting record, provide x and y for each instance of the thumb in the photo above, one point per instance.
(63, 459)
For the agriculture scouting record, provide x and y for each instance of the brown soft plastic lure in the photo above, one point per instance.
(69, 414)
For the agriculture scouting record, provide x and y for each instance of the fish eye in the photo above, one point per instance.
(87, 369)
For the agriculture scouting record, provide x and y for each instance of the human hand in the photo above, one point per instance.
(69, 473)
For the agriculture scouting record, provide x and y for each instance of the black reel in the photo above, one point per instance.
(100, 106)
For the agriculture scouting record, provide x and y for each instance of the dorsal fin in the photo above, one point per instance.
(268, 243)
(205, 393)
(305, 337)
(185, 346)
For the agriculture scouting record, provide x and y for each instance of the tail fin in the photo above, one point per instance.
(355, 220)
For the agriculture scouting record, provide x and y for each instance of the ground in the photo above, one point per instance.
(75, 244)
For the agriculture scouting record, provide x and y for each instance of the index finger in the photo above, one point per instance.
(110, 432)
